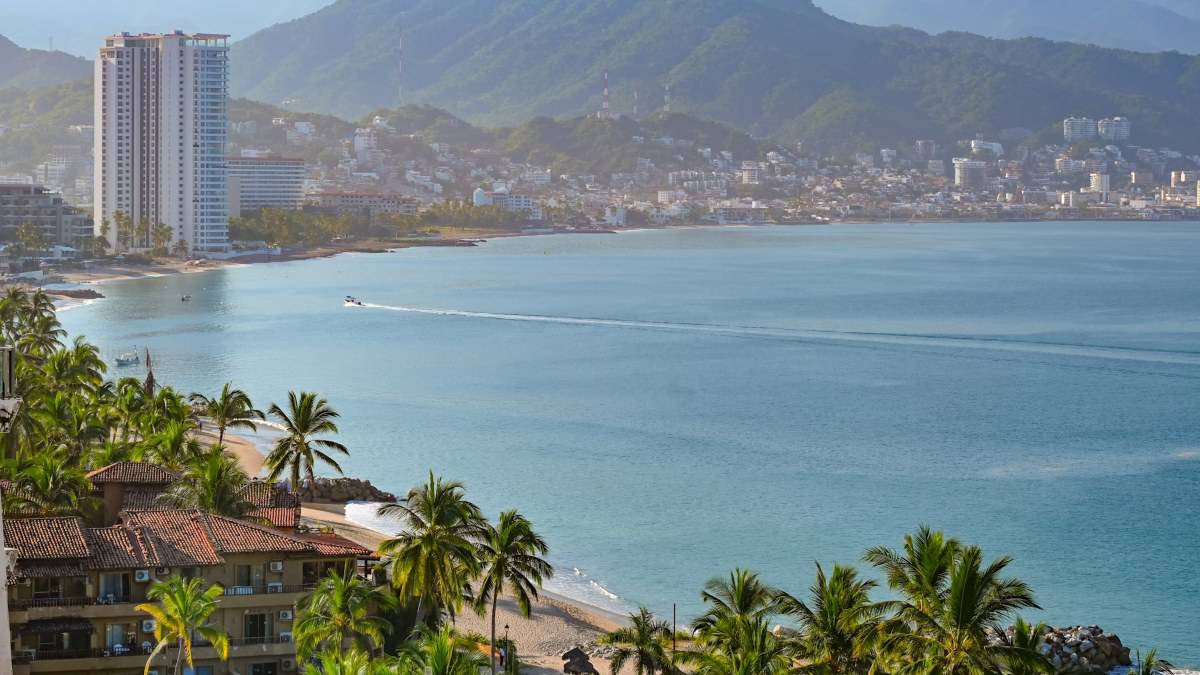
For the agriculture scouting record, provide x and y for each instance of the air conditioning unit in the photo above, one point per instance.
(30, 654)
(285, 615)
(285, 636)
(25, 582)
(275, 587)
(141, 576)
(162, 571)
(148, 626)
(276, 565)
(289, 664)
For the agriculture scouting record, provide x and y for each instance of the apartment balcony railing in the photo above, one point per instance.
(74, 601)
(27, 656)
(263, 640)
(269, 588)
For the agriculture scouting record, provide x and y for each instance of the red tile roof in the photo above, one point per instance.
(172, 538)
(133, 472)
(330, 544)
(45, 538)
(115, 548)
(286, 517)
(235, 536)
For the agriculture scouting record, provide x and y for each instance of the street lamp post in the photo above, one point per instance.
(507, 650)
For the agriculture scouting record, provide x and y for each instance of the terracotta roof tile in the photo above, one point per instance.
(133, 472)
(48, 570)
(142, 497)
(277, 516)
(115, 548)
(45, 538)
(330, 544)
(173, 538)
(236, 536)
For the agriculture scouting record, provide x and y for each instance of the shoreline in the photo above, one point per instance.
(102, 274)
(558, 622)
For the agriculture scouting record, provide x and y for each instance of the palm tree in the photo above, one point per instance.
(174, 446)
(644, 642)
(341, 608)
(1151, 665)
(355, 662)
(440, 652)
(741, 594)
(48, 485)
(1027, 637)
(949, 632)
(231, 409)
(748, 648)
(509, 554)
(211, 482)
(922, 570)
(180, 611)
(434, 558)
(298, 451)
(839, 626)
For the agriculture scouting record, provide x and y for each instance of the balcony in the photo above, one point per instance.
(27, 609)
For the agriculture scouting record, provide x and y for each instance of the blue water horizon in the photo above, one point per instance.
(666, 405)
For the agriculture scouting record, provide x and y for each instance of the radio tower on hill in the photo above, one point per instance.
(400, 85)
(667, 100)
(635, 103)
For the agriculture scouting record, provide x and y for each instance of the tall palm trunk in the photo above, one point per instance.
(492, 654)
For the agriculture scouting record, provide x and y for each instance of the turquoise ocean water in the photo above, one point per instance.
(666, 405)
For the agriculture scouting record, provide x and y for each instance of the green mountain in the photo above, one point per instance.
(38, 67)
(778, 68)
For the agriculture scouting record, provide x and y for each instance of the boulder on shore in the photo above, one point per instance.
(341, 490)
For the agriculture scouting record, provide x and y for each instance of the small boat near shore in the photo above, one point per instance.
(130, 358)
(185, 298)
(352, 301)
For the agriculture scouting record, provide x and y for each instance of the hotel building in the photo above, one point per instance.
(73, 583)
(161, 118)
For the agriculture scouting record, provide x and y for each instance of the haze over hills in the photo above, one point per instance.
(1142, 25)
(76, 26)
(779, 68)
(37, 67)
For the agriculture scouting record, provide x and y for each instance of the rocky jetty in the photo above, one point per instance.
(341, 490)
(1082, 650)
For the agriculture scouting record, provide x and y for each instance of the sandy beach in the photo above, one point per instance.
(556, 624)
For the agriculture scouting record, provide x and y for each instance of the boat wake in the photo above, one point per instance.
(828, 336)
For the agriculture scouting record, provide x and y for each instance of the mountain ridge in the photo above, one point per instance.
(32, 68)
(773, 68)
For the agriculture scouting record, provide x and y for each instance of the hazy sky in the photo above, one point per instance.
(77, 25)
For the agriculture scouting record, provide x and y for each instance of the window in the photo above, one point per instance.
(114, 587)
(250, 575)
(258, 627)
(47, 588)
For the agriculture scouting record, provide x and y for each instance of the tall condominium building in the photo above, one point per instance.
(1077, 129)
(1115, 128)
(265, 183)
(969, 173)
(161, 124)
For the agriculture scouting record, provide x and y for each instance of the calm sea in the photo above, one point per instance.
(666, 405)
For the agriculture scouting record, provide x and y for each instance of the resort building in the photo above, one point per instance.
(1076, 129)
(970, 174)
(364, 204)
(25, 203)
(265, 183)
(74, 584)
(161, 115)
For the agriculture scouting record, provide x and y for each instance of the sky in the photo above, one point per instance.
(76, 26)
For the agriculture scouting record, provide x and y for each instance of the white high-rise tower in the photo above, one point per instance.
(162, 117)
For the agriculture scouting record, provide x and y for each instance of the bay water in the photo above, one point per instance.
(666, 405)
